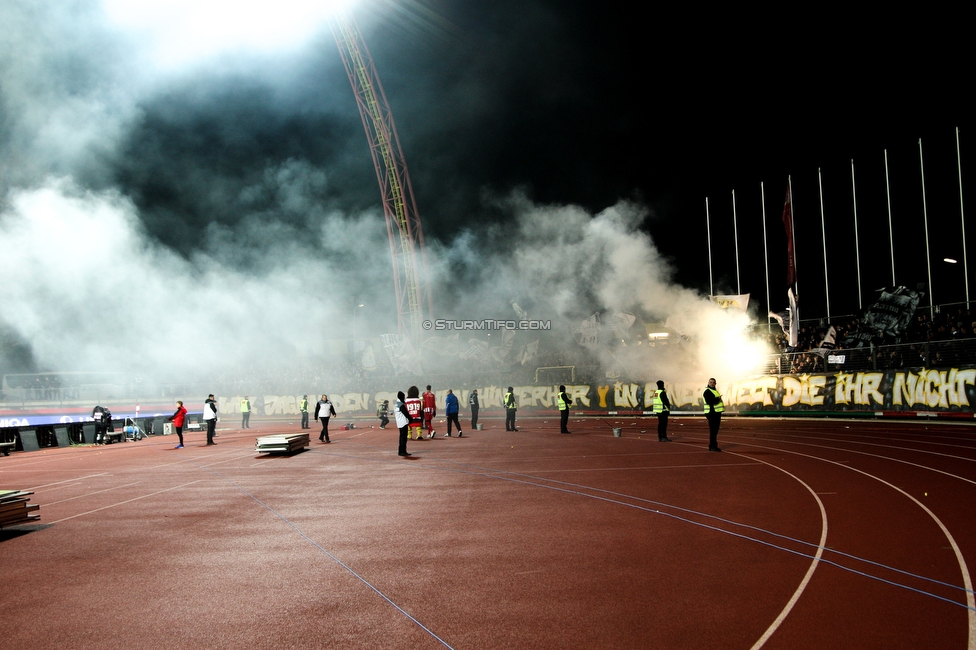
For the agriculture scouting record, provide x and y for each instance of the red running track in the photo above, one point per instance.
(801, 534)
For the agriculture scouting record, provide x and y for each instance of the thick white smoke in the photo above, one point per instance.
(88, 288)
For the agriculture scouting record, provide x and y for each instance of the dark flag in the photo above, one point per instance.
(790, 319)
(791, 254)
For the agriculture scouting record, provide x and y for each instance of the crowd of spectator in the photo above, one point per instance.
(939, 339)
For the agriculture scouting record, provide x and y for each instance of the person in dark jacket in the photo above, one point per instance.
(451, 408)
(511, 406)
(475, 406)
(662, 409)
(323, 411)
(714, 407)
(303, 407)
(402, 416)
(210, 417)
(563, 402)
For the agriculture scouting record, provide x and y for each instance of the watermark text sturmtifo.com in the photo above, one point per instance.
(487, 324)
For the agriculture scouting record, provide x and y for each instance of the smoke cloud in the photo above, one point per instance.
(184, 219)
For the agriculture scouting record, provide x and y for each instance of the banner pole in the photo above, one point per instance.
(796, 283)
(823, 231)
(962, 217)
(708, 229)
(857, 245)
(769, 307)
(735, 226)
(925, 223)
(891, 232)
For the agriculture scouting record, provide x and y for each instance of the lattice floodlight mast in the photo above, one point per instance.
(399, 205)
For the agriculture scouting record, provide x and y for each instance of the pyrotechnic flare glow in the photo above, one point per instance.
(183, 31)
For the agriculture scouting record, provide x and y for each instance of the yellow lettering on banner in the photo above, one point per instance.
(225, 405)
(492, 396)
(624, 395)
(792, 391)
(581, 393)
(540, 396)
(649, 391)
(964, 377)
(440, 399)
(842, 388)
(945, 390)
(745, 393)
(870, 383)
(602, 392)
(933, 380)
(524, 395)
(380, 396)
(817, 384)
(290, 407)
(901, 391)
(686, 394)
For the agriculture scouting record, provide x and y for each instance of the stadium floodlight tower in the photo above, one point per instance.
(399, 205)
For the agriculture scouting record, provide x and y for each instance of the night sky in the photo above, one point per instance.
(567, 103)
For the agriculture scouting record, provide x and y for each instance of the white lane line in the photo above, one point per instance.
(963, 568)
(813, 565)
(121, 503)
(629, 469)
(68, 480)
(88, 494)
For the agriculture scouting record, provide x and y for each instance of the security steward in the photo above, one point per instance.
(661, 406)
(714, 407)
(303, 407)
(511, 405)
(245, 413)
(564, 403)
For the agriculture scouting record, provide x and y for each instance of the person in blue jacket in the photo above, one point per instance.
(451, 404)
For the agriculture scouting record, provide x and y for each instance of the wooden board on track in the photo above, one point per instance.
(282, 443)
(15, 509)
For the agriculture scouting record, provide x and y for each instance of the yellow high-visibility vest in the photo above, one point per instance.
(719, 407)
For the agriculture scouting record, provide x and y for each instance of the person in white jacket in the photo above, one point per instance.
(210, 417)
(403, 422)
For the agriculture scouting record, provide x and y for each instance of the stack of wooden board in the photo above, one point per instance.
(14, 509)
(282, 444)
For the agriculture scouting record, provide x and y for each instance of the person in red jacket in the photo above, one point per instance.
(430, 410)
(178, 419)
(415, 408)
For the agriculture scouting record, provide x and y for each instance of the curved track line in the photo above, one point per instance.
(963, 568)
(813, 565)
(487, 472)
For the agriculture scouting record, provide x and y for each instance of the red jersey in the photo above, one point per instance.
(413, 408)
(430, 403)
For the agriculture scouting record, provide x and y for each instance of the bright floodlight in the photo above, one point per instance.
(949, 260)
(182, 31)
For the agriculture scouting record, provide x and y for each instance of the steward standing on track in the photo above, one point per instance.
(402, 421)
(713, 413)
(323, 411)
(245, 413)
(475, 405)
(303, 407)
(662, 409)
(563, 401)
(210, 417)
(511, 405)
